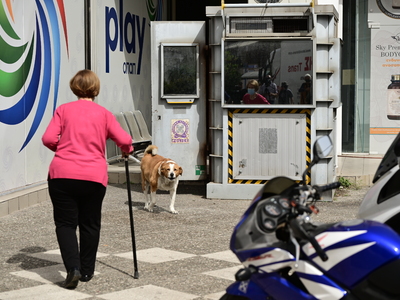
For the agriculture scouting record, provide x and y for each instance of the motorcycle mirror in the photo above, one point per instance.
(322, 148)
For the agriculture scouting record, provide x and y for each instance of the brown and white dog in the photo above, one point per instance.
(159, 173)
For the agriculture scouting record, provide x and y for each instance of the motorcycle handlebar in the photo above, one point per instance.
(330, 186)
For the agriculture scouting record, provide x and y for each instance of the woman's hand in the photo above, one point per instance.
(126, 154)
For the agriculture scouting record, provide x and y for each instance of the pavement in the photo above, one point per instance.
(179, 256)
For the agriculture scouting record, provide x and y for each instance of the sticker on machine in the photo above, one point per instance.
(180, 131)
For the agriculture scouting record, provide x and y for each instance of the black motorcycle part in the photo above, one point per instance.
(382, 284)
(389, 160)
(300, 232)
(390, 189)
(394, 223)
(233, 297)
(245, 273)
(327, 187)
(293, 279)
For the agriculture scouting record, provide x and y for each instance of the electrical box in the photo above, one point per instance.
(275, 146)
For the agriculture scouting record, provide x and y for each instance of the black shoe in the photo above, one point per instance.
(86, 278)
(72, 279)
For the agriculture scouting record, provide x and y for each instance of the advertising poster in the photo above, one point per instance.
(41, 49)
(385, 74)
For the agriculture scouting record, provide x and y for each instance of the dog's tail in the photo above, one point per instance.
(152, 149)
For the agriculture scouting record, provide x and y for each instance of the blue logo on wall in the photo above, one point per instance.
(126, 32)
(41, 60)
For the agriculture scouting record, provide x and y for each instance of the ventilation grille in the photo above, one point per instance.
(250, 25)
(268, 25)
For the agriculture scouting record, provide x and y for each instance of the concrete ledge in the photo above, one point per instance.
(360, 180)
(358, 169)
(117, 174)
(28, 197)
(22, 199)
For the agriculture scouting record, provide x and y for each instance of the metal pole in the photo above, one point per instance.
(128, 186)
(88, 35)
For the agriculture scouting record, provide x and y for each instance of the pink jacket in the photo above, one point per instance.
(259, 99)
(77, 134)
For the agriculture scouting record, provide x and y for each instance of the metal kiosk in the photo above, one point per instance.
(253, 143)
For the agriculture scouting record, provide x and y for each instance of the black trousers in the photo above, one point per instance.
(77, 203)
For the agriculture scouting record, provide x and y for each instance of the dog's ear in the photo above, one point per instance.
(180, 171)
(161, 168)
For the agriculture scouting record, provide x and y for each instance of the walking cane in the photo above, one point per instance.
(128, 186)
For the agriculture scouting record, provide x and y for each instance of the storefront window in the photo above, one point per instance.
(282, 69)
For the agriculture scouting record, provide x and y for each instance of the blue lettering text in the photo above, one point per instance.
(128, 32)
(129, 68)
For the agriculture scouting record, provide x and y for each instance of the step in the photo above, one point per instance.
(117, 173)
(359, 169)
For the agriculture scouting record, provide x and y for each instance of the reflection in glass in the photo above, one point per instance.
(180, 70)
(280, 67)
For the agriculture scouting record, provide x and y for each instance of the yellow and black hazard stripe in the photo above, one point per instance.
(307, 112)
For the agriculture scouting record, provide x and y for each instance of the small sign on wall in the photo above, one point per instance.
(180, 131)
(200, 169)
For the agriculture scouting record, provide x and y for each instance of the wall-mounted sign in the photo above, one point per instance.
(180, 131)
(391, 8)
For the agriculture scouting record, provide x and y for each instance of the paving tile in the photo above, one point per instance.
(43, 292)
(156, 255)
(51, 274)
(214, 296)
(223, 255)
(55, 255)
(148, 292)
(227, 273)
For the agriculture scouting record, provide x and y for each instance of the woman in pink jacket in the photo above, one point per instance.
(252, 97)
(78, 176)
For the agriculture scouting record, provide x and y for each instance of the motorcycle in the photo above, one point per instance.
(286, 256)
(381, 202)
